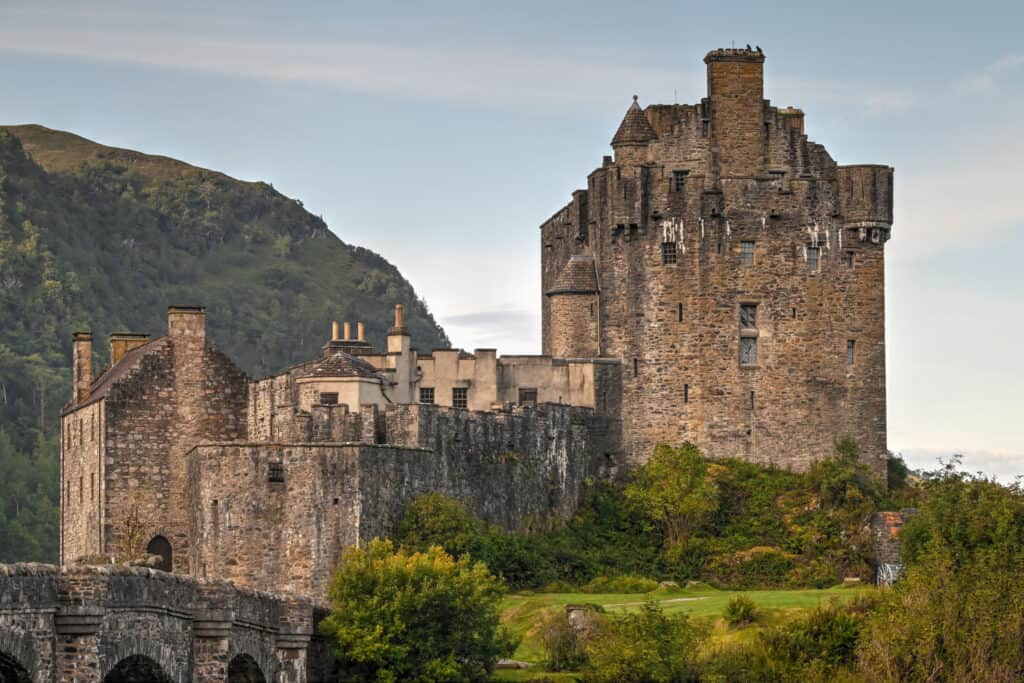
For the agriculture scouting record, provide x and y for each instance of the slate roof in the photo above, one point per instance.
(578, 277)
(339, 364)
(635, 128)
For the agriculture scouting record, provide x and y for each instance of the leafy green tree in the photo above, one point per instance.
(674, 490)
(401, 616)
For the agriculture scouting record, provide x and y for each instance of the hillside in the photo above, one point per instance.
(93, 237)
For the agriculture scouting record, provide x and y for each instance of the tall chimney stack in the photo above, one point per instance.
(360, 332)
(335, 330)
(399, 340)
(348, 331)
(736, 98)
(82, 366)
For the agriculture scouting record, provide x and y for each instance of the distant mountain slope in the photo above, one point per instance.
(93, 237)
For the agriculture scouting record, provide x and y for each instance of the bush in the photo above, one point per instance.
(620, 584)
(646, 646)
(414, 616)
(564, 643)
(758, 567)
(740, 611)
(826, 639)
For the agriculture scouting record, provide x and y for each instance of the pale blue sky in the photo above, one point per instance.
(442, 134)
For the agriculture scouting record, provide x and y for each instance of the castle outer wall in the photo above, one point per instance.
(738, 276)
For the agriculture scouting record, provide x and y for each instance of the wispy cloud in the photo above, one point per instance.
(993, 74)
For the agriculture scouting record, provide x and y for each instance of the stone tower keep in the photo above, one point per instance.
(735, 270)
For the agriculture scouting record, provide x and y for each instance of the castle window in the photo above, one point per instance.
(527, 396)
(81, 489)
(794, 314)
(748, 316)
(748, 350)
(636, 366)
(812, 259)
(704, 127)
(746, 253)
(668, 253)
(67, 493)
(92, 486)
(748, 334)
(680, 313)
(162, 547)
(275, 472)
(329, 398)
(849, 259)
(459, 399)
(719, 246)
(850, 351)
(686, 393)
(751, 402)
(591, 311)
(427, 395)
(679, 180)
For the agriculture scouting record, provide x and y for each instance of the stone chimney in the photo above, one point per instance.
(736, 98)
(187, 321)
(123, 342)
(81, 382)
(399, 340)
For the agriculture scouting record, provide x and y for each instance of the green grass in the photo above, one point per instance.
(523, 612)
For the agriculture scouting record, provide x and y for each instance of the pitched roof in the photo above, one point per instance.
(578, 277)
(131, 360)
(339, 364)
(635, 128)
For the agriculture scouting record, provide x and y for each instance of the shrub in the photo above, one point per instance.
(564, 642)
(740, 611)
(414, 616)
(758, 567)
(646, 646)
(826, 638)
(620, 584)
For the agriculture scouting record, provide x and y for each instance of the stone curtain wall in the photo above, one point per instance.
(78, 623)
(277, 516)
(733, 169)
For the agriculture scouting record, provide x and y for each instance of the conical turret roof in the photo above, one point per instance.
(635, 129)
(578, 277)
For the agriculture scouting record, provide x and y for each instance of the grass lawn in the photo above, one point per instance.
(523, 612)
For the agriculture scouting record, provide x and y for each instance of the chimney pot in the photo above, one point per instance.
(399, 316)
(360, 332)
(348, 331)
(335, 330)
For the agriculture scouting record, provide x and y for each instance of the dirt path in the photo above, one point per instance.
(660, 602)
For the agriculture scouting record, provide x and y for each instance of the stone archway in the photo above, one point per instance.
(244, 669)
(159, 545)
(11, 671)
(137, 669)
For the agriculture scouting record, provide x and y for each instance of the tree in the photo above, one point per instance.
(401, 616)
(674, 490)
(957, 613)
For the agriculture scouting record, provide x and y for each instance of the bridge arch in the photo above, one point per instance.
(137, 669)
(159, 545)
(11, 670)
(244, 669)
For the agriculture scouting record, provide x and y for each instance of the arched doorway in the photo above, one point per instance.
(244, 669)
(11, 671)
(137, 669)
(162, 547)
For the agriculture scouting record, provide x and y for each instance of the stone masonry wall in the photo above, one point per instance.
(83, 436)
(278, 515)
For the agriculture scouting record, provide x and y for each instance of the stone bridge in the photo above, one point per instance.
(114, 624)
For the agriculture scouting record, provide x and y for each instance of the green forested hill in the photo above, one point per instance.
(103, 239)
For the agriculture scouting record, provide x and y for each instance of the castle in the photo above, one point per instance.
(720, 280)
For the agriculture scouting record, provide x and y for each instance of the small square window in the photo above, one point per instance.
(850, 351)
(849, 259)
(329, 399)
(459, 397)
(427, 395)
(275, 472)
(812, 259)
(748, 316)
(527, 396)
(679, 180)
(668, 253)
(746, 253)
(748, 350)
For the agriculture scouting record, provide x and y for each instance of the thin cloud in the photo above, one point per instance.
(993, 74)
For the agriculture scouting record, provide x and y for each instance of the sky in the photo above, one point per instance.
(442, 134)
